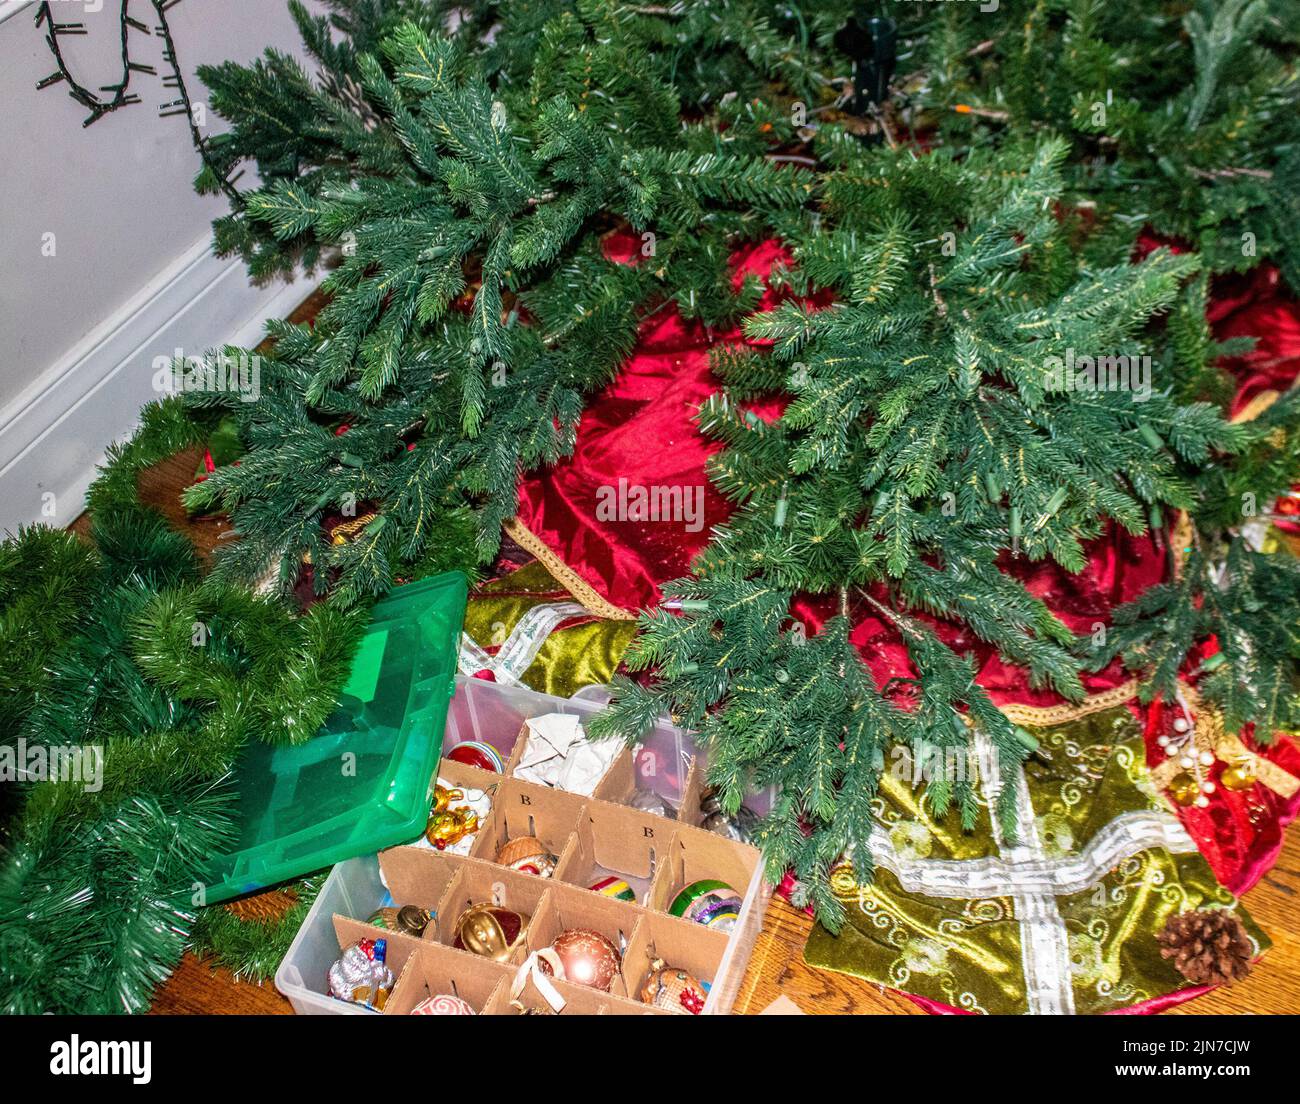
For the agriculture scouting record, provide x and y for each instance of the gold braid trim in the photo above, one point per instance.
(574, 583)
(1180, 538)
(1257, 406)
(1043, 715)
(345, 530)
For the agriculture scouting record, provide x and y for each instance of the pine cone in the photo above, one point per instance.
(1208, 946)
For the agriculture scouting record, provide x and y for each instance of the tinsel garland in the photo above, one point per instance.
(251, 946)
(122, 652)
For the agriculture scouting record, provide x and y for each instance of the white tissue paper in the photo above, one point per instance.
(558, 754)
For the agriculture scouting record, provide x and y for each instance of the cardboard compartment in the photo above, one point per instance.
(695, 855)
(640, 775)
(565, 908)
(417, 876)
(461, 776)
(680, 944)
(433, 970)
(578, 1001)
(521, 747)
(520, 809)
(399, 950)
(478, 883)
(612, 841)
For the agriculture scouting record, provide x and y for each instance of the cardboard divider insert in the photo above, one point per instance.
(433, 970)
(677, 943)
(638, 773)
(591, 838)
(578, 1001)
(696, 855)
(417, 875)
(460, 775)
(522, 809)
(613, 841)
(690, 813)
(478, 883)
(620, 782)
(517, 750)
(620, 1007)
(565, 908)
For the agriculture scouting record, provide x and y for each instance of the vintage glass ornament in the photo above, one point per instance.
(673, 990)
(409, 919)
(528, 855)
(476, 753)
(444, 1004)
(361, 975)
(490, 931)
(613, 887)
(647, 801)
(443, 796)
(583, 957)
(449, 821)
(385, 918)
(709, 902)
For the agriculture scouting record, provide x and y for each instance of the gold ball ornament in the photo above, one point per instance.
(1184, 789)
(1237, 777)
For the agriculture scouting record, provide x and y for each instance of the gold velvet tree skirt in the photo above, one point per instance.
(1062, 920)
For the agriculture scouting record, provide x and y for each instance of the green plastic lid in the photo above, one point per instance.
(363, 782)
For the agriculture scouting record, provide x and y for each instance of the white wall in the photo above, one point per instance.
(132, 276)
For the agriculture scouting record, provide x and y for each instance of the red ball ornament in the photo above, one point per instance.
(476, 753)
(584, 957)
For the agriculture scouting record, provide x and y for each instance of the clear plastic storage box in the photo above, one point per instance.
(666, 763)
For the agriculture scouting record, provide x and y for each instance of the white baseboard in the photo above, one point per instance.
(54, 435)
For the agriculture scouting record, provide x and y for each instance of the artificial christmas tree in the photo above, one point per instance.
(932, 375)
(1181, 117)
